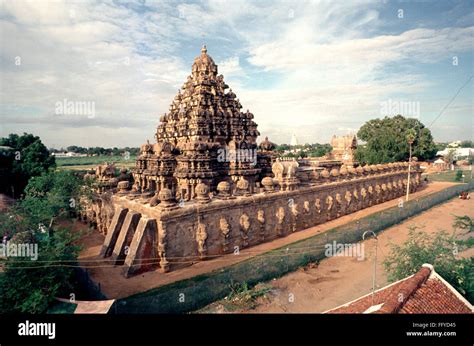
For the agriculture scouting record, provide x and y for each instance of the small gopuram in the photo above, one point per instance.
(205, 138)
(206, 188)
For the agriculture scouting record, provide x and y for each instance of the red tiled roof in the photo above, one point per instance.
(424, 292)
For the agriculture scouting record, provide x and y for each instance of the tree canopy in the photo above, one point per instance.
(30, 285)
(27, 158)
(387, 140)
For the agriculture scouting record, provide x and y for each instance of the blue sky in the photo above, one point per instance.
(313, 68)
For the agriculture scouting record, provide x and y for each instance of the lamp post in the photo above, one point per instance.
(411, 135)
(375, 263)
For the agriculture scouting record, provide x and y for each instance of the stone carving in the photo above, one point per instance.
(162, 242)
(244, 229)
(202, 193)
(261, 221)
(329, 207)
(294, 216)
(348, 199)
(317, 205)
(378, 193)
(339, 206)
(201, 237)
(224, 191)
(268, 184)
(306, 212)
(122, 187)
(225, 230)
(242, 187)
(280, 220)
(167, 199)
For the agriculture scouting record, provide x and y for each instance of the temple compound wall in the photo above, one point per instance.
(170, 235)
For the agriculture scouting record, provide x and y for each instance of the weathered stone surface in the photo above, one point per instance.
(143, 253)
(113, 231)
(122, 246)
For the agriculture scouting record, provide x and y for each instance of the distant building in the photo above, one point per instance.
(458, 152)
(294, 140)
(440, 165)
(454, 144)
(343, 149)
(68, 154)
(425, 292)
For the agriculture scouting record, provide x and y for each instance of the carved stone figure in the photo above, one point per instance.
(261, 221)
(162, 243)
(244, 229)
(280, 220)
(225, 230)
(201, 237)
(294, 216)
(317, 205)
(329, 207)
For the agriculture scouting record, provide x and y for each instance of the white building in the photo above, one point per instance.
(458, 152)
(293, 141)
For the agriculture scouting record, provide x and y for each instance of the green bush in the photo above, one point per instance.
(439, 250)
(458, 176)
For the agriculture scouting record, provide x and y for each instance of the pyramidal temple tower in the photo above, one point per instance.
(205, 138)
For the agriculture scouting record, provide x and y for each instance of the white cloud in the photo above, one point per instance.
(323, 67)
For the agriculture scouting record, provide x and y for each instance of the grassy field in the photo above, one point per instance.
(90, 162)
(450, 176)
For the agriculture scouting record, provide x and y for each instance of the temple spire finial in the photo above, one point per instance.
(204, 49)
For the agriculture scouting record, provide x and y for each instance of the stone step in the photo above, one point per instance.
(122, 245)
(113, 231)
(143, 254)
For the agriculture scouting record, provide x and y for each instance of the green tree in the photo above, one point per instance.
(386, 140)
(30, 285)
(29, 157)
(467, 144)
(51, 195)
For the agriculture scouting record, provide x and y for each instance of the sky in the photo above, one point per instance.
(101, 73)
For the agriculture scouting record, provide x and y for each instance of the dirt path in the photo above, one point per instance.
(114, 285)
(338, 280)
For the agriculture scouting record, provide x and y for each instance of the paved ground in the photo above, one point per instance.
(115, 286)
(338, 280)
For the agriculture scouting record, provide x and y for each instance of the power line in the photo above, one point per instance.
(157, 260)
(450, 101)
